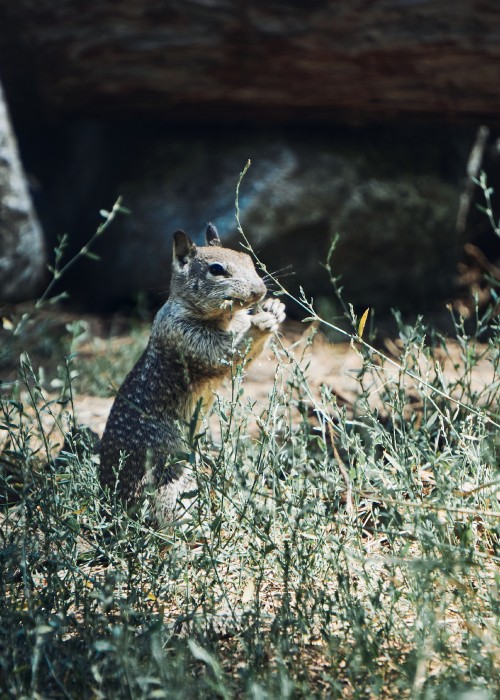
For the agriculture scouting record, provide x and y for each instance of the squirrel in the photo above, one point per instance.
(210, 322)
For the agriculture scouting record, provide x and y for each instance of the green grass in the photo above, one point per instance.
(340, 552)
(343, 551)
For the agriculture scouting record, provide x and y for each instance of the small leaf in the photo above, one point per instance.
(362, 322)
(201, 654)
(92, 256)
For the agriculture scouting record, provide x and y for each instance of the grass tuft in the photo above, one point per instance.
(349, 551)
(336, 549)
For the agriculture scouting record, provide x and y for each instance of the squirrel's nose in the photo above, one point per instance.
(258, 293)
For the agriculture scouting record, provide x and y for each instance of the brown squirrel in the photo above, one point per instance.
(211, 322)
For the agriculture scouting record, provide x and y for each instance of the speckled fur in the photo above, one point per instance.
(204, 328)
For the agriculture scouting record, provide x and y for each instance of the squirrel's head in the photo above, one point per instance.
(213, 281)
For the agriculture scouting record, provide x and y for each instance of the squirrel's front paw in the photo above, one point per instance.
(268, 320)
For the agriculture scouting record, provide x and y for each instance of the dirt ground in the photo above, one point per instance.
(336, 365)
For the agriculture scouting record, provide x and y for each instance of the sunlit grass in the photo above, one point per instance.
(342, 551)
(335, 549)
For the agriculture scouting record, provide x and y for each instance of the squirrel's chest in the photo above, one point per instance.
(201, 394)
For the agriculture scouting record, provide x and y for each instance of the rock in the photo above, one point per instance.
(229, 63)
(227, 60)
(22, 254)
(396, 230)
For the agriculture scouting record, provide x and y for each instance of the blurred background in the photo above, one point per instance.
(364, 122)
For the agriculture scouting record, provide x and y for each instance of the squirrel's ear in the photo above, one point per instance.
(212, 235)
(184, 247)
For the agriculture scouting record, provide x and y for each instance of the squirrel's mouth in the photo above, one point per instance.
(232, 303)
(248, 301)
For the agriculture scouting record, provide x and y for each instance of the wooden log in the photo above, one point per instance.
(231, 60)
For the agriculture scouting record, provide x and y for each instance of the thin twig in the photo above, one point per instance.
(343, 474)
(354, 337)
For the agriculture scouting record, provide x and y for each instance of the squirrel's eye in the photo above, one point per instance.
(217, 269)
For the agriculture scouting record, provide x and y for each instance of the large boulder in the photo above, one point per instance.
(22, 252)
(396, 225)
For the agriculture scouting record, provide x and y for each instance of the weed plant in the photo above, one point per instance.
(333, 551)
